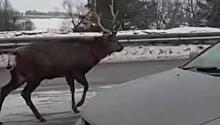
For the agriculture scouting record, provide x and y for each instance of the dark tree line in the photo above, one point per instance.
(157, 14)
(132, 14)
(9, 18)
(211, 10)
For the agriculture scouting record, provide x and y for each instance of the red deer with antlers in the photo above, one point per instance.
(64, 58)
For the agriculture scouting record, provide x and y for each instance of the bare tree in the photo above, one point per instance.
(173, 13)
(6, 15)
(192, 12)
(9, 18)
(78, 15)
(166, 14)
(161, 14)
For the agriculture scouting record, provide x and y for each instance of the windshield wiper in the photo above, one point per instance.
(200, 68)
(215, 71)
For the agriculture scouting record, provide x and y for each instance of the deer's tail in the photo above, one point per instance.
(11, 53)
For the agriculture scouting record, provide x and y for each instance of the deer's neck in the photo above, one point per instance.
(99, 51)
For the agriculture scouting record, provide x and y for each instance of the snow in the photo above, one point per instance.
(131, 53)
(51, 33)
(48, 102)
(43, 33)
(192, 30)
(172, 30)
(150, 53)
(138, 53)
(51, 104)
(48, 24)
(55, 24)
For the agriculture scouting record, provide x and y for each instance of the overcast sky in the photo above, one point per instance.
(41, 5)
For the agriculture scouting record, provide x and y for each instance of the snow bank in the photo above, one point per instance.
(45, 33)
(139, 53)
(55, 24)
(150, 53)
(48, 24)
(42, 33)
(135, 53)
(173, 30)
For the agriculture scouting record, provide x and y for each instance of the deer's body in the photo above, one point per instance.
(48, 60)
(56, 59)
(71, 59)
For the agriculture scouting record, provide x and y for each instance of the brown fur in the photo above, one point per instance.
(65, 58)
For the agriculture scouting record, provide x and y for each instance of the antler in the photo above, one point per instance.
(98, 16)
(114, 18)
(114, 15)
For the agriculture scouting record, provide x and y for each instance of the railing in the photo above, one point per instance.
(174, 38)
(169, 37)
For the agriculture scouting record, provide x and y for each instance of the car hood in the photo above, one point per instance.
(174, 97)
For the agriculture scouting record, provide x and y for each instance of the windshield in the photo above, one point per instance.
(210, 58)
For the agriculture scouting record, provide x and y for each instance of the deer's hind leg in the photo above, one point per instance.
(26, 94)
(16, 81)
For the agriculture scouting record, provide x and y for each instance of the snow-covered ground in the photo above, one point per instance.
(48, 24)
(48, 102)
(53, 104)
(140, 53)
(53, 24)
(149, 53)
(45, 33)
(132, 53)
(172, 30)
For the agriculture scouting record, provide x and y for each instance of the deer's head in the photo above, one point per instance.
(109, 35)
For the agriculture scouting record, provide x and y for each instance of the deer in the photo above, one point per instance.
(61, 58)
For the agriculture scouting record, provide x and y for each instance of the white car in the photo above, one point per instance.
(187, 95)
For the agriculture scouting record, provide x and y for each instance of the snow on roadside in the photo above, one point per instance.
(45, 33)
(173, 30)
(42, 33)
(139, 53)
(149, 53)
(132, 53)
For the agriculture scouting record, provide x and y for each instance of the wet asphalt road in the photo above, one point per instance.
(105, 74)
(52, 96)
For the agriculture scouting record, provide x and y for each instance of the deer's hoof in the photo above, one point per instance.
(79, 104)
(76, 110)
(43, 120)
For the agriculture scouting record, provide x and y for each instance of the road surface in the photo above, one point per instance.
(53, 97)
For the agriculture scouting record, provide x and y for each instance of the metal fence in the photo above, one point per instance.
(156, 38)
